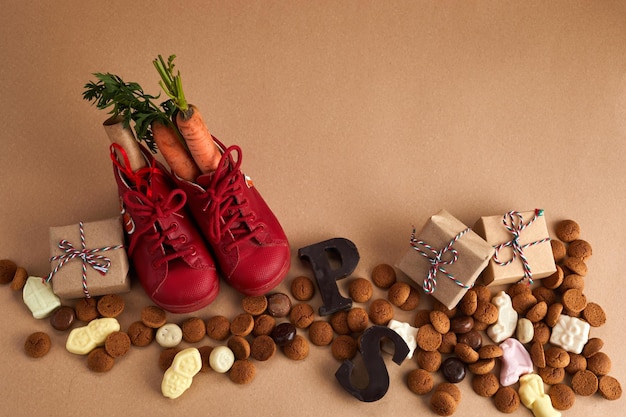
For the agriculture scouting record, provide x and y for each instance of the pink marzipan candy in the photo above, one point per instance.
(516, 362)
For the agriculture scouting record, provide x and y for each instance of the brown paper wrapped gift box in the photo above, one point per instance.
(67, 281)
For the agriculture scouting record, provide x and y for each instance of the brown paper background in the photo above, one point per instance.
(357, 119)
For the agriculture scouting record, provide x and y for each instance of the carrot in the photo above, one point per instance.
(173, 151)
(188, 119)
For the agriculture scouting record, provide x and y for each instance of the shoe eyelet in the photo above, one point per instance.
(175, 226)
(183, 238)
(194, 252)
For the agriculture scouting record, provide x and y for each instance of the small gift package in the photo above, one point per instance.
(522, 247)
(88, 259)
(446, 257)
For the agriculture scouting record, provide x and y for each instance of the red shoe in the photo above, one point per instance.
(249, 245)
(169, 255)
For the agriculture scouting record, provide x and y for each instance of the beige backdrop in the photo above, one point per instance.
(357, 119)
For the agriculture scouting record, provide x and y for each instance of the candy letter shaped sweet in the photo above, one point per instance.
(178, 377)
(39, 298)
(515, 362)
(326, 275)
(533, 397)
(83, 340)
(570, 333)
(169, 335)
(221, 359)
(507, 318)
(374, 363)
(407, 332)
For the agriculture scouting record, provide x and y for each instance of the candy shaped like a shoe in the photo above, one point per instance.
(168, 254)
(248, 242)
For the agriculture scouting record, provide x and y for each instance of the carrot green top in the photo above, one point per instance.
(172, 84)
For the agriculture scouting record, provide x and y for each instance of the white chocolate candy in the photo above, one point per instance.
(221, 359)
(507, 318)
(525, 330)
(39, 298)
(83, 340)
(406, 332)
(169, 335)
(533, 397)
(570, 333)
(178, 377)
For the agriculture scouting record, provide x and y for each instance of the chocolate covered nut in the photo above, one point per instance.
(558, 250)
(466, 353)
(428, 338)
(461, 324)
(412, 301)
(609, 388)
(166, 357)
(193, 329)
(140, 334)
(420, 381)
(242, 372)
(297, 349)
(7, 270)
(599, 364)
(241, 325)
(551, 375)
(453, 370)
(168, 335)
(593, 346)
(562, 396)
(339, 321)
(442, 403)
(254, 306)
(485, 385)
(506, 400)
(358, 319)
(37, 345)
(302, 288)
(482, 366)
(19, 279)
(117, 344)
(278, 305)
(302, 315)
(110, 305)
(343, 347)
(263, 325)
(567, 230)
(240, 347)
(585, 383)
(398, 293)
(218, 327)
(440, 321)
(283, 333)
(62, 318)
(205, 355)
(320, 333)
(153, 316)
(99, 360)
(579, 249)
(221, 359)
(262, 348)
(86, 309)
(594, 315)
(469, 302)
(577, 362)
(471, 338)
(429, 361)
(556, 357)
(383, 276)
(576, 265)
(380, 312)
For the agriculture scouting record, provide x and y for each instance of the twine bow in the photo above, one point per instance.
(514, 222)
(435, 257)
(88, 257)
